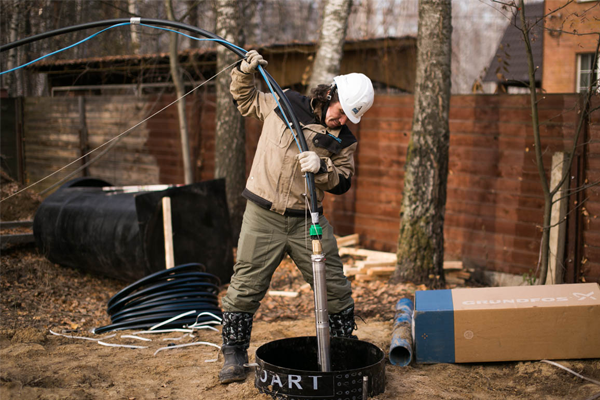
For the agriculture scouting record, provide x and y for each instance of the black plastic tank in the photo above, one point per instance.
(121, 234)
(288, 369)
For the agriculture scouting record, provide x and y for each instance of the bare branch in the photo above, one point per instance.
(190, 9)
(570, 211)
(552, 12)
(112, 4)
(576, 190)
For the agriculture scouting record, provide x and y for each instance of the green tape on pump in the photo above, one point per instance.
(316, 230)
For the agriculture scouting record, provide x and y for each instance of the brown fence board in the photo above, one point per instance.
(494, 198)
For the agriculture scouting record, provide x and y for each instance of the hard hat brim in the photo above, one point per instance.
(348, 112)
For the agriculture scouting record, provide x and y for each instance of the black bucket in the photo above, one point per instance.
(288, 369)
(121, 234)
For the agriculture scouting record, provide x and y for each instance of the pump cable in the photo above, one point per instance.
(285, 105)
(163, 296)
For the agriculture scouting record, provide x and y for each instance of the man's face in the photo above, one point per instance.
(335, 116)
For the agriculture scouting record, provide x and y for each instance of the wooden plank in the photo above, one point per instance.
(350, 240)
(379, 255)
(281, 293)
(168, 232)
(365, 277)
(379, 271)
(371, 263)
(452, 265)
(558, 223)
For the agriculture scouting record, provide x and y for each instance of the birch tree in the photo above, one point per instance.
(132, 7)
(421, 239)
(179, 89)
(331, 42)
(230, 135)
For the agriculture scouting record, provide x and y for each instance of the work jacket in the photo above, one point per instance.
(276, 182)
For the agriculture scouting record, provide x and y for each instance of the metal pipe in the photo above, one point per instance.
(321, 315)
(402, 338)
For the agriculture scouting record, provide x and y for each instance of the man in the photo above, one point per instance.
(274, 221)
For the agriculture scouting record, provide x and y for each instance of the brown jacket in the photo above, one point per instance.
(275, 180)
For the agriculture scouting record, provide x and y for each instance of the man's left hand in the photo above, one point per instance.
(309, 162)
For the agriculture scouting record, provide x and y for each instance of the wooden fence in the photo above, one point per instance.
(494, 204)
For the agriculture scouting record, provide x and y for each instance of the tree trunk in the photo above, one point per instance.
(192, 6)
(230, 136)
(13, 78)
(331, 43)
(133, 29)
(421, 239)
(179, 88)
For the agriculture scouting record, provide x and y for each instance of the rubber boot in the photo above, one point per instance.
(237, 327)
(342, 324)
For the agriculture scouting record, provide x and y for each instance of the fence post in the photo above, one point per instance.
(83, 134)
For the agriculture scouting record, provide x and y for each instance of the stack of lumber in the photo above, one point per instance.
(370, 265)
(455, 273)
(365, 265)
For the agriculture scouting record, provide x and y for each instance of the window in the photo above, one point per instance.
(585, 63)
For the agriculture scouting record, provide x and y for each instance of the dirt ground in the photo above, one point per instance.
(37, 296)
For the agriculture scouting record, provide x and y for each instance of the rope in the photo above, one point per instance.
(136, 22)
(116, 137)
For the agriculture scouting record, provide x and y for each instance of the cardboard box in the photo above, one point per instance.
(507, 323)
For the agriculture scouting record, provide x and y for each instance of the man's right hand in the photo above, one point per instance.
(252, 61)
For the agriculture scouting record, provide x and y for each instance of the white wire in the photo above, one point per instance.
(208, 313)
(178, 338)
(205, 323)
(173, 319)
(127, 346)
(189, 344)
(121, 134)
(82, 337)
(136, 337)
(571, 371)
(205, 327)
(165, 331)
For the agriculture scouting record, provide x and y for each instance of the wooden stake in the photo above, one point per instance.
(557, 220)
(168, 229)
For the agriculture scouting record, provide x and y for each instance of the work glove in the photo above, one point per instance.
(309, 162)
(252, 61)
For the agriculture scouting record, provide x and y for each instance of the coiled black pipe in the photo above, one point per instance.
(162, 296)
(310, 178)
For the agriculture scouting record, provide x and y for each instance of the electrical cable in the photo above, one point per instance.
(571, 371)
(181, 297)
(287, 109)
(164, 273)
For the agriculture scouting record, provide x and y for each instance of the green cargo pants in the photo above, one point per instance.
(265, 238)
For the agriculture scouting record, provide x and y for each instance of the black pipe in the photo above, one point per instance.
(174, 294)
(196, 267)
(310, 178)
(144, 323)
(164, 295)
(200, 286)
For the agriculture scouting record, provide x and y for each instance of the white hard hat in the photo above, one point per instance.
(356, 94)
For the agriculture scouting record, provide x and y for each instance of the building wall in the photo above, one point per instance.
(561, 49)
(494, 203)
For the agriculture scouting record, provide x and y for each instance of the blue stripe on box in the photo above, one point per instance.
(434, 326)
